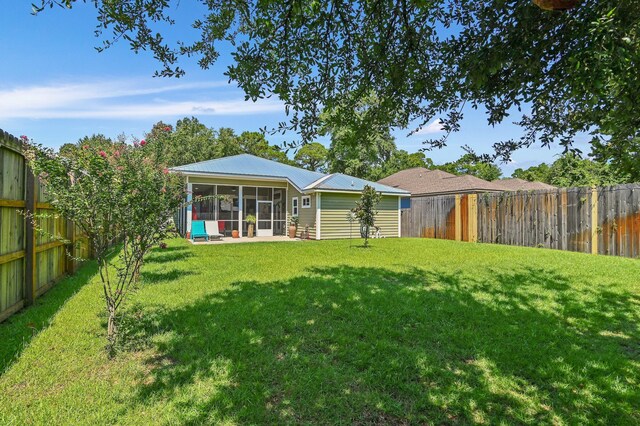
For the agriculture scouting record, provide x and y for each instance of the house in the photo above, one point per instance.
(421, 182)
(274, 192)
(516, 184)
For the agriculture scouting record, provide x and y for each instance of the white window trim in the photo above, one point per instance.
(306, 197)
(294, 207)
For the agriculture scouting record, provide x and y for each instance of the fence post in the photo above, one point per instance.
(30, 277)
(472, 201)
(70, 254)
(594, 220)
(458, 215)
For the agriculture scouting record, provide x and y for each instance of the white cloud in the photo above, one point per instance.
(123, 99)
(434, 127)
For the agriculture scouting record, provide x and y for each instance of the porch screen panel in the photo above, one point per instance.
(249, 196)
(279, 211)
(228, 208)
(205, 209)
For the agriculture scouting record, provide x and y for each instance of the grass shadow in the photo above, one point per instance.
(169, 254)
(374, 346)
(150, 277)
(18, 330)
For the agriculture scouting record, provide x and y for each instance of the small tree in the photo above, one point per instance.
(366, 210)
(115, 193)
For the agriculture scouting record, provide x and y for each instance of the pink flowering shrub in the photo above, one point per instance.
(115, 194)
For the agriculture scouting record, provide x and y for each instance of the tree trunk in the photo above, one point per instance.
(111, 332)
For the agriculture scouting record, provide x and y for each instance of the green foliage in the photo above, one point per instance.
(192, 141)
(402, 160)
(623, 155)
(113, 192)
(469, 164)
(571, 170)
(575, 71)
(358, 149)
(366, 210)
(250, 218)
(312, 156)
(539, 173)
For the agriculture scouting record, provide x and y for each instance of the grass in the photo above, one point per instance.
(408, 331)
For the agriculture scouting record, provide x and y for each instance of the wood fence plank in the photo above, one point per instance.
(590, 220)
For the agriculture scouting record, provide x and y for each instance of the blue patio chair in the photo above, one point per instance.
(198, 231)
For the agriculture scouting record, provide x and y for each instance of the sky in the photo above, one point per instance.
(56, 88)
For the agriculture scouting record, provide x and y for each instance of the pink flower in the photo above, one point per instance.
(143, 142)
(116, 154)
(24, 138)
(165, 171)
(136, 144)
(167, 129)
(102, 154)
(85, 146)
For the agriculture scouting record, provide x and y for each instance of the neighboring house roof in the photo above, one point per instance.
(247, 165)
(458, 185)
(421, 181)
(414, 180)
(516, 184)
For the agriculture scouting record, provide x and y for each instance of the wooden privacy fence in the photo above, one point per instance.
(30, 261)
(603, 220)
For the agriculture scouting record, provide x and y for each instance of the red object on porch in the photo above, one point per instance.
(221, 226)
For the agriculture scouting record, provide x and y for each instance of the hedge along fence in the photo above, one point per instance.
(30, 261)
(603, 220)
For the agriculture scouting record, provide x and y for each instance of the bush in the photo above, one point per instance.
(114, 192)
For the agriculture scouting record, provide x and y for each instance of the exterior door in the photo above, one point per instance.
(265, 219)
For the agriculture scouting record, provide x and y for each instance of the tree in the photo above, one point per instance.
(192, 141)
(539, 173)
(97, 142)
(312, 156)
(350, 154)
(358, 147)
(255, 143)
(366, 211)
(402, 160)
(575, 71)
(116, 193)
(469, 164)
(572, 170)
(623, 155)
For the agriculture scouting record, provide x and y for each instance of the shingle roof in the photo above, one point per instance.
(250, 165)
(516, 184)
(414, 180)
(421, 181)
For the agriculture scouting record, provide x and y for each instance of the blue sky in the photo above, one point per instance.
(56, 88)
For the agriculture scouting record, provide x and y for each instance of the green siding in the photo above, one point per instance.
(307, 216)
(335, 208)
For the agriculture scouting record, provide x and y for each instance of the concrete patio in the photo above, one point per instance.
(230, 240)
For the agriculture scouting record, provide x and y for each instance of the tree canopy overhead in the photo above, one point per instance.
(571, 72)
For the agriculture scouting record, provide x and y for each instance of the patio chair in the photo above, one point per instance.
(213, 229)
(222, 227)
(198, 231)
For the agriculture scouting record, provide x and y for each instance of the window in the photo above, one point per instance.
(306, 202)
(294, 206)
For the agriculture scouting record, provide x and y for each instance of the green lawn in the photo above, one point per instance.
(409, 331)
